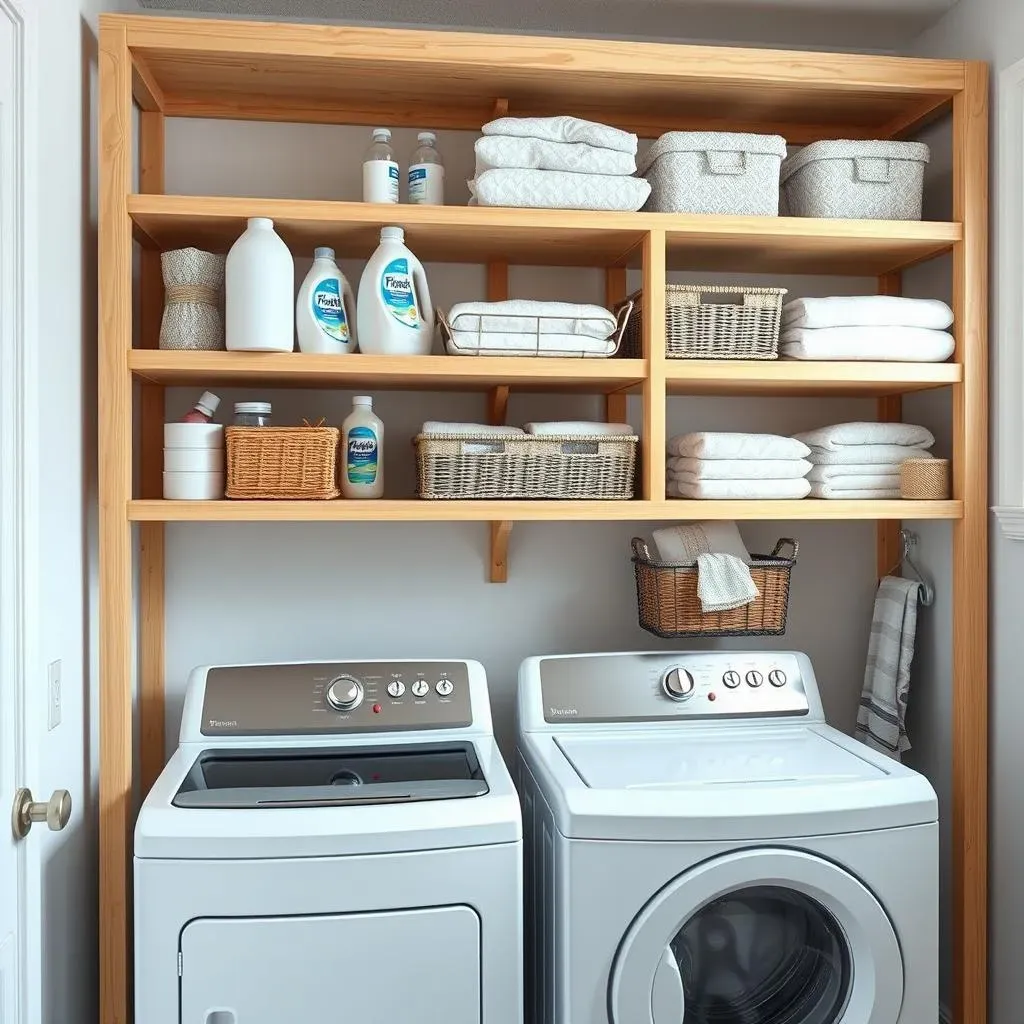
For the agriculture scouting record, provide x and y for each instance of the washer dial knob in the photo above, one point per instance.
(731, 679)
(754, 678)
(420, 688)
(345, 693)
(677, 684)
(396, 688)
(777, 677)
(444, 687)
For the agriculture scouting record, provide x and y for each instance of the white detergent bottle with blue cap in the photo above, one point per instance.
(394, 314)
(325, 308)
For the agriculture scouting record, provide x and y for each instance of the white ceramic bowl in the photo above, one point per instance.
(193, 486)
(193, 460)
(193, 435)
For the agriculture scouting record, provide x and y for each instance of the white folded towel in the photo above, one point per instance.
(861, 482)
(726, 490)
(493, 151)
(888, 471)
(843, 435)
(440, 427)
(559, 190)
(564, 129)
(867, 311)
(476, 343)
(683, 543)
(738, 469)
(530, 316)
(712, 445)
(831, 491)
(868, 455)
(723, 583)
(884, 344)
(582, 428)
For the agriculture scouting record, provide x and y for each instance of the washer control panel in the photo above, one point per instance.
(335, 698)
(656, 687)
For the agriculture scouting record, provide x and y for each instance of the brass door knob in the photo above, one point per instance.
(56, 812)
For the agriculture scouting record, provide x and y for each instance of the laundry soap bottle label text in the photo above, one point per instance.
(362, 455)
(328, 310)
(396, 291)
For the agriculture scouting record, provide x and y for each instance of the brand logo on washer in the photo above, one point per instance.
(564, 712)
(221, 723)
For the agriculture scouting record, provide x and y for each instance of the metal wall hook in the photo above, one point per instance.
(908, 541)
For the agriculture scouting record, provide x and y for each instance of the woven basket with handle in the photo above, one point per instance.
(281, 462)
(669, 607)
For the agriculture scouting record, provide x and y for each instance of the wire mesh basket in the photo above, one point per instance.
(670, 608)
(557, 467)
(696, 328)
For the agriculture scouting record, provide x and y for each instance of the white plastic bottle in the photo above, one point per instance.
(380, 170)
(362, 451)
(426, 172)
(325, 309)
(259, 291)
(394, 313)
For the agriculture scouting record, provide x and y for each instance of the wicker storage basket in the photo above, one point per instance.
(855, 180)
(925, 479)
(699, 329)
(669, 607)
(461, 466)
(281, 462)
(715, 172)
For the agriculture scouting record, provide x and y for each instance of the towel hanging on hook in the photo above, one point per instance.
(908, 541)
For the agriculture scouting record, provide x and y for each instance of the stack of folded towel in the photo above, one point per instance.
(727, 466)
(888, 328)
(862, 460)
(557, 163)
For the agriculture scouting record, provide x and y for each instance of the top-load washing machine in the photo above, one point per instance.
(331, 842)
(702, 848)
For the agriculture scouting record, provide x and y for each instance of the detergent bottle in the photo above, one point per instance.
(394, 314)
(325, 308)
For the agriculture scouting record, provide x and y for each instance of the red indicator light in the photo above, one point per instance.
(711, 696)
(376, 709)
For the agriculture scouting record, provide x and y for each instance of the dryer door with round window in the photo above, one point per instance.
(770, 936)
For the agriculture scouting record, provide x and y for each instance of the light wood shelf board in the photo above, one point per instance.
(802, 245)
(466, 234)
(408, 373)
(321, 72)
(414, 510)
(793, 378)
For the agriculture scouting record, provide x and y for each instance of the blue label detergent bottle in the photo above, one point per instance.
(395, 316)
(325, 308)
(362, 454)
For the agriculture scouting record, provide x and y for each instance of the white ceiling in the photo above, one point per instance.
(881, 25)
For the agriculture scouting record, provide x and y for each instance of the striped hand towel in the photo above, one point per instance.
(883, 702)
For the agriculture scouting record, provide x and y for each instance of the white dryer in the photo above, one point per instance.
(331, 842)
(702, 848)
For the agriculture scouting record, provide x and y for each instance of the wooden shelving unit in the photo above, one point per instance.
(327, 74)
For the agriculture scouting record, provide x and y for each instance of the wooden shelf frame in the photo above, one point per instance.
(172, 67)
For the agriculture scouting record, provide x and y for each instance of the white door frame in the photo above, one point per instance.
(19, 471)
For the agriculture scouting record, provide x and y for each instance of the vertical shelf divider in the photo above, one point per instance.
(654, 390)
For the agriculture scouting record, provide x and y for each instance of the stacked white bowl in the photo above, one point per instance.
(193, 461)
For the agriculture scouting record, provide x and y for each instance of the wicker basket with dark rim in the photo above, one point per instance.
(281, 462)
(669, 607)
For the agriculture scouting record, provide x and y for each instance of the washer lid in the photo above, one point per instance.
(326, 777)
(673, 762)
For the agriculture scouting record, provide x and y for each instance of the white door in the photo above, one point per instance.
(768, 935)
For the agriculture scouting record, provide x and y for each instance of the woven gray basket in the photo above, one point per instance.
(697, 329)
(859, 180)
(560, 467)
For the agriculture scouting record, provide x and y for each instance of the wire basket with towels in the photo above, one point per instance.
(669, 607)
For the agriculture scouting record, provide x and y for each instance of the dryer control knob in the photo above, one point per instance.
(777, 677)
(677, 684)
(345, 693)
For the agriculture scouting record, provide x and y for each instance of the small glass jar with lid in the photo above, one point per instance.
(252, 414)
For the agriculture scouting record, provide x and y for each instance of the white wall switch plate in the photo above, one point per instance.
(56, 698)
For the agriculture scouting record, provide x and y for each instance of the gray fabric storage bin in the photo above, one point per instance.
(714, 172)
(860, 180)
